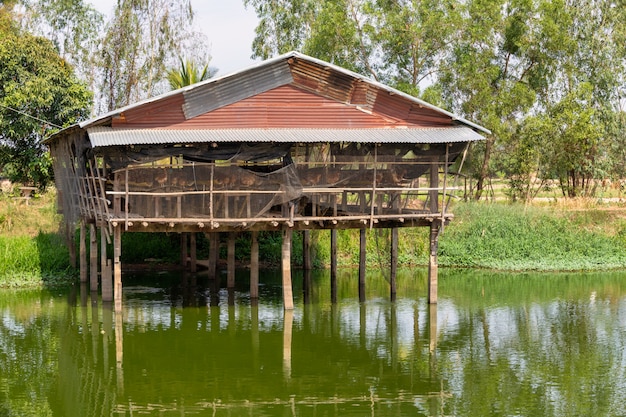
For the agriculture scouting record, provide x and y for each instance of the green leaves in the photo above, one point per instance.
(36, 86)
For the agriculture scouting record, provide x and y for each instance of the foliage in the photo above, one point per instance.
(139, 44)
(511, 65)
(188, 74)
(38, 93)
(515, 237)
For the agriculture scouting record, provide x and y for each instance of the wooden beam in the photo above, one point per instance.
(286, 267)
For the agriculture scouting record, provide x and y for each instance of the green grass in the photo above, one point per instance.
(572, 236)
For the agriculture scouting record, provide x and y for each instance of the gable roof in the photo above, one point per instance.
(359, 102)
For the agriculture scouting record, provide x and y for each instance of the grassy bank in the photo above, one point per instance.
(570, 236)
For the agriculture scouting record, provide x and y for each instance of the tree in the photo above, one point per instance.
(141, 41)
(38, 94)
(188, 74)
(397, 42)
(73, 27)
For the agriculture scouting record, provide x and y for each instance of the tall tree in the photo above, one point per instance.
(141, 41)
(74, 28)
(38, 93)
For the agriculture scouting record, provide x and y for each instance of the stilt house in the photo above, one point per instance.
(290, 144)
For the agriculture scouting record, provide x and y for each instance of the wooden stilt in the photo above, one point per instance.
(231, 260)
(106, 278)
(432, 264)
(362, 263)
(193, 253)
(333, 266)
(306, 250)
(254, 267)
(394, 263)
(214, 250)
(434, 234)
(286, 266)
(83, 252)
(184, 256)
(117, 267)
(93, 258)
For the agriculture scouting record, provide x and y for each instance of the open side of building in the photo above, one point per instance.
(290, 144)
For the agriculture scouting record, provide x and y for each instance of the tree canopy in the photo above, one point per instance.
(38, 94)
(547, 77)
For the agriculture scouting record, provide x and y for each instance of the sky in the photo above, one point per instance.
(228, 26)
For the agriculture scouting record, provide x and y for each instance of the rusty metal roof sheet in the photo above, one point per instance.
(106, 136)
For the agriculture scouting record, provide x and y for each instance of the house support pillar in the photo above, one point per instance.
(434, 233)
(333, 266)
(106, 278)
(362, 263)
(117, 267)
(93, 258)
(83, 252)
(254, 267)
(394, 264)
(286, 267)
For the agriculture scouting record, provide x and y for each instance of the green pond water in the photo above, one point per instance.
(494, 345)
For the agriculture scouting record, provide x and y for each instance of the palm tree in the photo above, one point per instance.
(188, 74)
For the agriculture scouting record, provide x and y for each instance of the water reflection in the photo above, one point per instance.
(527, 346)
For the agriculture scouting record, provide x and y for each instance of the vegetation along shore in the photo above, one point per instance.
(576, 235)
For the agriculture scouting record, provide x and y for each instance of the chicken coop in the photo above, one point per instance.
(290, 144)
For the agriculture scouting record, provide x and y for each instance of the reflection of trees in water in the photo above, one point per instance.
(472, 355)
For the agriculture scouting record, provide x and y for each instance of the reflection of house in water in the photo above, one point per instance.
(247, 360)
(291, 144)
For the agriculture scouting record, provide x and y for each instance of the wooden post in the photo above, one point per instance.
(214, 249)
(306, 250)
(434, 234)
(286, 266)
(93, 258)
(231, 260)
(183, 250)
(333, 265)
(362, 262)
(106, 279)
(193, 253)
(394, 263)
(254, 267)
(117, 267)
(83, 252)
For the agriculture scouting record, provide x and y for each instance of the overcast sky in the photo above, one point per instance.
(228, 26)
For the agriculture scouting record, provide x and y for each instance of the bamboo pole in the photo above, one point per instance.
(333, 266)
(106, 278)
(193, 252)
(394, 263)
(117, 267)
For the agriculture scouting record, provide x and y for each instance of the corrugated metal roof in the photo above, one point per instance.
(221, 93)
(106, 136)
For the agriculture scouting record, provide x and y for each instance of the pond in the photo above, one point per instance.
(494, 345)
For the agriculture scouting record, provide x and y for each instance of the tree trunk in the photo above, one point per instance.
(484, 170)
